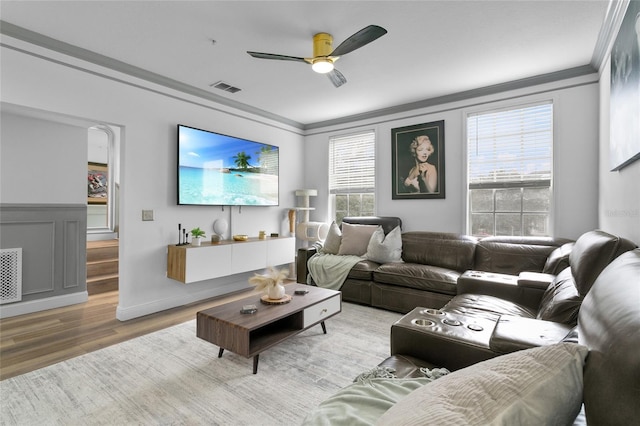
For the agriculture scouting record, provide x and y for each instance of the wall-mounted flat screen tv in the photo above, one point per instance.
(216, 169)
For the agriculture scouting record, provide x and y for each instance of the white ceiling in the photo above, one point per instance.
(432, 49)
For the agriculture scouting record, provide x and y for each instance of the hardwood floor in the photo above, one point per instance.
(32, 341)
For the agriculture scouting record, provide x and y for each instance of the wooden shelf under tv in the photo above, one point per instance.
(187, 263)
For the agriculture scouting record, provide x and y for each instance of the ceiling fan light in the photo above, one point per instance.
(322, 66)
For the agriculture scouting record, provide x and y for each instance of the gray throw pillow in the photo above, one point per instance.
(539, 386)
(385, 249)
(332, 242)
(355, 238)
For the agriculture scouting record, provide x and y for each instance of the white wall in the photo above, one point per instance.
(32, 152)
(575, 158)
(619, 204)
(147, 115)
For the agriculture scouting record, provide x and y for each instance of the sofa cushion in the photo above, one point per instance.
(535, 386)
(561, 301)
(420, 277)
(385, 249)
(592, 252)
(441, 249)
(485, 306)
(516, 333)
(334, 238)
(355, 239)
(512, 255)
(363, 270)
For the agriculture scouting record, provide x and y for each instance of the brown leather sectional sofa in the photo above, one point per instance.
(511, 305)
(433, 263)
(522, 387)
(485, 320)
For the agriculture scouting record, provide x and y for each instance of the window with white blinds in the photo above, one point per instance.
(352, 174)
(510, 157)
(513, 146)
(352, 163)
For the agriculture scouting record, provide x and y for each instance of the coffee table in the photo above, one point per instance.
(250, 334)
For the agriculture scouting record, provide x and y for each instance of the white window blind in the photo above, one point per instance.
(511, 147)
(352, 163)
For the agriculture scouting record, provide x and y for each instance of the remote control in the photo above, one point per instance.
(301, 292)
(248, 309)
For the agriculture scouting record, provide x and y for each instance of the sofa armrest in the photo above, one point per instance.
(514, 333)
(558, 260)
(502, 286)
(535, 280)
(304, 254)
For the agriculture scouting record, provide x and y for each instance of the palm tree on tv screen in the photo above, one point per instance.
(242, 160)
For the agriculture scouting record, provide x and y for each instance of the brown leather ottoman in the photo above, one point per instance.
(448, 340)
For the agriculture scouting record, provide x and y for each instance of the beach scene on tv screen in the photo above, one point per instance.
(215, 169)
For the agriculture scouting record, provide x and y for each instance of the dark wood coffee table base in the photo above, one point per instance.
(256, 357)
(250, 334)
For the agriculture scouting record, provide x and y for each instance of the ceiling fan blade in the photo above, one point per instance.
(359, 39)
(336, 77)
(275, 56)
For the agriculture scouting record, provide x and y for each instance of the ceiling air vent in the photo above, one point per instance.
(224, 86)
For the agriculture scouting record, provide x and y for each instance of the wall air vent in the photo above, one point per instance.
(225, 87)
(10, 275)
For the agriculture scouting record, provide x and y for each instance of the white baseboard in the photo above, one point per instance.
(125, 314)
(21, 308)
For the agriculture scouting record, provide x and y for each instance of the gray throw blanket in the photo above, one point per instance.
(330, 270)
(369, 397)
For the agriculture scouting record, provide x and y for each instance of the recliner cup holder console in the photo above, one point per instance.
(422, 322)
(430, 311)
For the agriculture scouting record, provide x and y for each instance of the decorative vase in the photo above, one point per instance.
(196, 241)
(276, 292)
(292, 222)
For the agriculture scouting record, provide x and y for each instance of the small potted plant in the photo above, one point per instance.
(197, 235)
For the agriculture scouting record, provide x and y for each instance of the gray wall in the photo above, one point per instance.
(43, 185)
(53, 241)
(575, 183)
(619, 203)
(147, 116)
(42, 161)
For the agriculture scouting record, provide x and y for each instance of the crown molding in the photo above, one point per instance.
(608, 32)
(460, 96)
(52, 44)
(613, 20)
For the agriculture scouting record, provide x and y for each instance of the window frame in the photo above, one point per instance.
(497, 107)
(360, 192)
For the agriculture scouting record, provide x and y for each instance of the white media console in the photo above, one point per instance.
(187, 263)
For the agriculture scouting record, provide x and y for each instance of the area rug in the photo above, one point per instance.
(171, 377)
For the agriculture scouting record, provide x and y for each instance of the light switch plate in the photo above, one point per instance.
(147, 214)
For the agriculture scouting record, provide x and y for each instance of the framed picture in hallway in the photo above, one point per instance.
(417, 161)
(97, 183)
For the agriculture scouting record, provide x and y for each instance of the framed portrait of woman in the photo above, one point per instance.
(417, 161)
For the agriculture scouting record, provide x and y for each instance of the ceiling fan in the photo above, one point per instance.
(323, 55)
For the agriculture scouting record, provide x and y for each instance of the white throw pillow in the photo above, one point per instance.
(331, 244)
(355, 238)
(539, 386)
(385, 249)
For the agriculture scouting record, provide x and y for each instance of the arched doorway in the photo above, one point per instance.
(102, 201)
